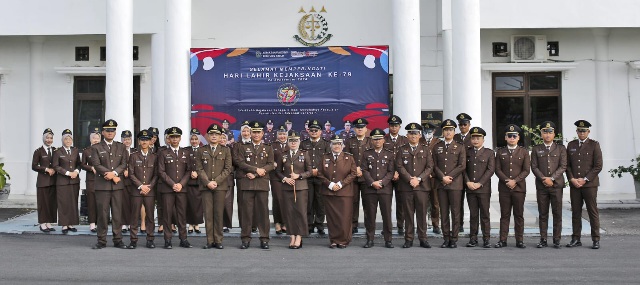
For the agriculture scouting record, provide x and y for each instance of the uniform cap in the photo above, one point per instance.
(109, 124)
(166, 131)
(336, 139)
(282, 129)
(214, 129)
(95, 130)
(327, 123)
(377, 134)
(195, 131)
(256, 126)
(582, 124)
(153, 131)
(47, 131)
(175, 131)
(144, 135)
(293, 135)
(347, 122)
(512, 129)
(245, 123)
(463, 118)
(67, 132)
(225, 121)
(360, 123)
(269, 122)
(429, 126)
(314, 124)
(394, 120)
(125, 134)
(547, 125)
(413, 127)
(478, 131)
(448, 123)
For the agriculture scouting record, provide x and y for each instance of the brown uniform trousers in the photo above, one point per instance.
(434, 203)
(142, 171)
(276, 185)
(67, 189)
(174, 169)
(294, 207)
(415, 163)
(377, 167)
(338, 204)
(512, 165)
(552, 163)
(466, 141)
(584, 161)
(109, 194)
(393, 146)
(213, 166)
(315, 205)
(255, 192)
(128, 188)
(449, 161)
(234, 153)
(45, 186)
(480, 169)
(90, 179)
(357, 147)
(195, 211)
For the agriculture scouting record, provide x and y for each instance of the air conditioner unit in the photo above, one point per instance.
(529, 48)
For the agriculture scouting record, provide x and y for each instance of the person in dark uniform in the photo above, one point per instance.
(174, 170)
(548, 164)
(463, 137)
(227, 217)
(378, 168)
(347, 133)
(213, 164)
(356, 146)
(42, 163)
(414, 162)
(292, 169)
(327, 134)
(254, 162)
(584, 163)
(243, 138)
(160, 185)
(279, 146)
(393, 141)
(127, 140)
(513, 165)
(225, 126)
(269, 133)
(108, 159)
(337, 171)
(289, 124)
(449, 165)
(195, 212)
(90, 178)
(155, 142)
(477, 182)
(66, 162)
(143, 174)
(434, 205)
(316, 147)
(304, 134)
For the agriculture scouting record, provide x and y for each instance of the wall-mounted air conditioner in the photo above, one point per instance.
(528, 48)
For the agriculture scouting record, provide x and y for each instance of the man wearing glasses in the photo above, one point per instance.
(316, 147)
(463, 138)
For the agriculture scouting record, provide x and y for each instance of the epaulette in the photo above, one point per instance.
(595, 141)
(351, 154)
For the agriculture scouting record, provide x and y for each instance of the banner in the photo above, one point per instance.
(331, 84)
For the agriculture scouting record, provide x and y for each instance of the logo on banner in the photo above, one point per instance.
(313, 28)
(288, 94)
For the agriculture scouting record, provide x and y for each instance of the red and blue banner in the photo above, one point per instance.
(325, 83)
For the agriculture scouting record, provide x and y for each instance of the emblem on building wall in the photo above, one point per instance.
(313, 29)
(288, 94)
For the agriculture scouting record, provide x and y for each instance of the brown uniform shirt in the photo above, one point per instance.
(394, 146)
(480, 168)
(63, 162)
(86, 164)
(278, 149)
(316, 151)
(249, 158)
(214, 166)
(549, 163)
(342, 170)
(449, 162)
(41, 161)
(105, 159)
(173, 169)
(514, 165)
(301, 165)
(142, 171)
(356, 148)
(419, 164)
(378, 167)
(584, 161)
(466, 141)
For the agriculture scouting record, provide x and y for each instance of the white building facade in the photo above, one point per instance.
(64, 63)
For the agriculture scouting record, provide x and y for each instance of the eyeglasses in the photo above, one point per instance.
(583, 131)
(294, 140)
(512, 136)
(313, 130)
(548, 131)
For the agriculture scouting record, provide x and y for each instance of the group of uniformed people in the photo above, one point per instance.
(312, 179)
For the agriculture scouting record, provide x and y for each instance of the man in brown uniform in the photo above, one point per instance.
(108, 159)
(174, 170)
(584, 163)
(143, 175)
(316, 147)
(356, 146)
(393, 141)
(477, 178)
(434, 205)
(548, 164)
(463, 137)
(378, 168)
(213, 165)
(414, 162)
(254, 161)
(449, 164)
(512, 167)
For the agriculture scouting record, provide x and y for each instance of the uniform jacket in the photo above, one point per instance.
(173, 169)
(514, 165)
(378, 166)
(41, 161)
(316, 150)
(419, 164)
(357, 148)
(549, 163)
(142, 171)
(344, 135)
(63, 162)
(301, 165)
(214, 166)
(466, 141)
(394, 147)
(480, 169)
(86, 164)
(127, 154)
(449, 162)
(248, 160)
(277, 149)
(105, 160)
(584, 161)
(342, 170)
(192, 164)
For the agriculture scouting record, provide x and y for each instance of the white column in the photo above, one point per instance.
(119, 81)
(466, 77)
(37, 105)
(157, 81)
(177, 97)
(407, 94)
(447, 69)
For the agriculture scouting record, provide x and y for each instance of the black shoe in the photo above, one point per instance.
(542, 243)
(342, 246)
(369, 244)
(461, 229)
(167, 244)
(596, 244)
(486, 244)
(45, 230)
(94, 230)
(556, 243)
(254, 230)
(574, 243)
(311, 231)
(436, 230)
(217, 245)
(333, 245)
(190, 231)
(407, 244)
(279, 232)
(400, 231)
(472, 243)
(120, 245)
(207, 246)
(425, 244)
(72, 229)
(354, 230)
(264, 244)
(52, 229)
(124, 230)
(198, 231)
(99, 246)
(388, 244)
(65, 231)
(244, 245)
(453, 244)
(500, 244)
(520, 244)
(133, 245)
(185, 243)
(150, 244)
(321, 232)
(224, 230)
(174, 231)
(445, 244)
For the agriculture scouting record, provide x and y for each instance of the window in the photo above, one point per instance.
(82, 53)
(103, 53)
(525, 99)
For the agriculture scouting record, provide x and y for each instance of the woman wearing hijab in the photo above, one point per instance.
(42, 163)
(66, 162)
(90, 179)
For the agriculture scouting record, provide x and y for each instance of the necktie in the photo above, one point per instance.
(213, 149)
(548, 148)
(256, 147)
(580, 145)
(49, 151)
(176, 151)
(335, 157)
(282, 145)
(446, 146)
(109, 145)
(393, 139)
(413, 148)
(68, 152)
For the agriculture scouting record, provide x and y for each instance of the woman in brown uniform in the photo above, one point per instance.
(127, 140)
(227, 215)
(46, 183)
(294, 167)
(195, 212)
(337, 172)
(66, 162)
(94, 138)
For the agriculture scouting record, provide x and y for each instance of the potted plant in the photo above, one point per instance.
(4, 186)
(633, 169)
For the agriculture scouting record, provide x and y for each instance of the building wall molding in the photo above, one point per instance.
(71, 71)
(564, 67)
